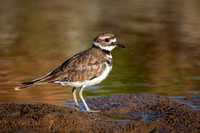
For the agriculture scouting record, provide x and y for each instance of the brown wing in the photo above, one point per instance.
(80, 67)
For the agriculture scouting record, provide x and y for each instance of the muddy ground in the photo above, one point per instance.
(122, 113)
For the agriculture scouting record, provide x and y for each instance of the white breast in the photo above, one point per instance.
(87, 83)
(100, 78)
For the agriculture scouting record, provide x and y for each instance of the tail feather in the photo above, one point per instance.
(23, 87)
(29, 82)
(42, 80)
(26, 84)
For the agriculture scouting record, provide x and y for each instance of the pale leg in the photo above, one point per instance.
(81, 96)
(74, 95)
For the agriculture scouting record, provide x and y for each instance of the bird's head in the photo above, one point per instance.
(106, 41)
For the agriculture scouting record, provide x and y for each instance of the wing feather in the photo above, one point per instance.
(80, 67)
(84, 70)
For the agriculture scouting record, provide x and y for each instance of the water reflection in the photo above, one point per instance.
(162, 40)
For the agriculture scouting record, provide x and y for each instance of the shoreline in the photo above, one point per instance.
(120, 113)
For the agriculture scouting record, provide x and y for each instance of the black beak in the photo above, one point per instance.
(120, 45)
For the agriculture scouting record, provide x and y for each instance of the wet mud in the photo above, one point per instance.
(143, 113)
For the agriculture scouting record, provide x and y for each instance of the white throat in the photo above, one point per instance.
(108, 48)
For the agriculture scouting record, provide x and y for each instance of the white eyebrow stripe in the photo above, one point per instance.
(105, 37)
(113, 40)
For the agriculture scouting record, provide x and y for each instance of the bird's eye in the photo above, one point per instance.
(107, 40)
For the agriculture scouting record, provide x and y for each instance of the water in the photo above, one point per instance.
(162, 54)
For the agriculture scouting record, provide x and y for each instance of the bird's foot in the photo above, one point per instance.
(93, 110)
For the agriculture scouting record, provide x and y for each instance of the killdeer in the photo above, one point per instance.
(84, 69)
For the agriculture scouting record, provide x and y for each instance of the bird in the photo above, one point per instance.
(84, 69)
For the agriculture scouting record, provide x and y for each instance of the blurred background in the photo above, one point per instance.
(162, 39)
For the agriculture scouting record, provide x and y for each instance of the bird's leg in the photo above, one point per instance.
(81, 96)
(74, 95)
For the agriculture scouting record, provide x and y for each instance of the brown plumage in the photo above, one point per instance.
(83, 66)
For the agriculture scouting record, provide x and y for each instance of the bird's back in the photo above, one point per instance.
(83, 66)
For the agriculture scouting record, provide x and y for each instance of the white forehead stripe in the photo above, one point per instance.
(113, 40)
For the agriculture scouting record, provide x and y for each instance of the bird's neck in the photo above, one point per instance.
(103, 50)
